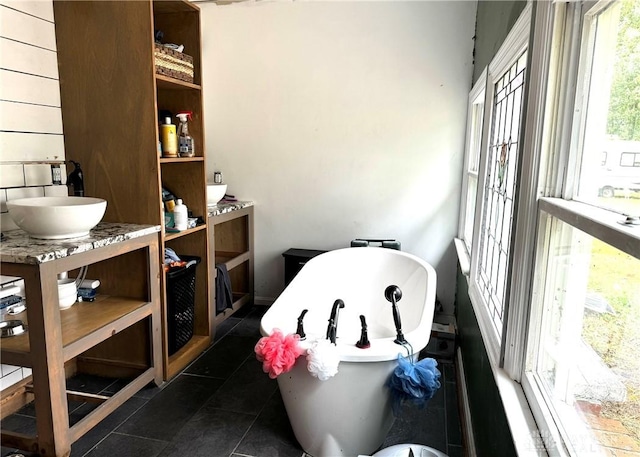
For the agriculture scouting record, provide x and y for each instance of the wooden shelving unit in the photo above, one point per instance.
(111, 98)
(231, 243)
(87, 336)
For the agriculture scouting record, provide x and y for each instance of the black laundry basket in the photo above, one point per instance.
(181, 292)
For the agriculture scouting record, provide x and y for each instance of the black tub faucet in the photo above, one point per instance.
(394, 294)
(300, 330)
(363, 342)
(332, 329)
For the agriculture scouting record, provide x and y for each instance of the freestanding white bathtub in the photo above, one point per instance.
(350, 413)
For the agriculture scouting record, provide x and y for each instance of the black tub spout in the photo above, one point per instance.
(363, 343)
(332, 329)
(394, 294)
(300, 330)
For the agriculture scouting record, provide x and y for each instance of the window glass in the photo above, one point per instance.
(474, 143)
(499, 190)
(610, 100)
(587, 362)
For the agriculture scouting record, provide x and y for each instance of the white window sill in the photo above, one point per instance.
(522, 425)
(597, 222)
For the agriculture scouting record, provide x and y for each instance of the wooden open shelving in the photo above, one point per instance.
(112, 102)
(231, 243)
(89, 334)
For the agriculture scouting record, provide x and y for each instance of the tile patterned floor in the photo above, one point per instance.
(224, 405)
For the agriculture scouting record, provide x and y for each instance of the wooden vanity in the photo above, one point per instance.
(117, 335)
(231, 243)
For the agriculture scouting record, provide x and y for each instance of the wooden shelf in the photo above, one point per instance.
(185, 355)
(176, 6)
(232, 259)
(83, 325)
(168, 236)
(166, 82)
(181, 159)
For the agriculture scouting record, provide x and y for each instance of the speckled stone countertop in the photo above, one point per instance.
(226, 207)
(18, 247)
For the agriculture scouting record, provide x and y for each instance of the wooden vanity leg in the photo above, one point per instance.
(45, 339)
(156, 316)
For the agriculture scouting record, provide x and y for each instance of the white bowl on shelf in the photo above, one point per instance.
(57, 218)
(215, 192)
(67, 293)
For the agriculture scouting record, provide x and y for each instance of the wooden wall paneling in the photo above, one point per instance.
(28, 59)
(19, 147)
(20, 87)
(108, 97)
(25, 28)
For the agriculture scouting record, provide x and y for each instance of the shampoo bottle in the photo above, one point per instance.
(180, 215)
(169, 139)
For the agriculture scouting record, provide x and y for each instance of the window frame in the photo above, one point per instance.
(558, 194)
(515, 44)
(545, 189)
(476, 97)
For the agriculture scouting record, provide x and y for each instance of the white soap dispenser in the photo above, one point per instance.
(180, 215)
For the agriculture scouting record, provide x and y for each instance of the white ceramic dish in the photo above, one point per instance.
(67, 293)
(215, 192)
(56, 218)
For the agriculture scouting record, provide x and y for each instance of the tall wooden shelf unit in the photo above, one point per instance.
(111, 97)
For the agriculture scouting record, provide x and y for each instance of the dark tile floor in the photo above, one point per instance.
(224, 405)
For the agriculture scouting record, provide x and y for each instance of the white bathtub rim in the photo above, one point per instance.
(381, 349)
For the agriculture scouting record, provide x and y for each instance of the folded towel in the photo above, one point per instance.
(224, 296)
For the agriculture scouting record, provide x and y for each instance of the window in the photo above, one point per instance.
(492, 184)
(629, 159)
(555, 268)
(582, 367)
(472, 159)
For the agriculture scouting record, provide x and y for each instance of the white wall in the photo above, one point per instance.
(31, 139)
(340, 120)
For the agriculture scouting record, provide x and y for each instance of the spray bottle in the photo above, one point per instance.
(185, 141)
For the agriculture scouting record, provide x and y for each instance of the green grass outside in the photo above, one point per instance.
(616, 337)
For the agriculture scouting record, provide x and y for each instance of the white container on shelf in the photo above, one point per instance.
(180, 215)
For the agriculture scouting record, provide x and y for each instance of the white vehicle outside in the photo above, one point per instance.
(619, 168)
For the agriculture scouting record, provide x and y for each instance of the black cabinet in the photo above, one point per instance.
(294, 260)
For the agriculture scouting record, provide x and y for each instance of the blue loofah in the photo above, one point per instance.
(415, 382)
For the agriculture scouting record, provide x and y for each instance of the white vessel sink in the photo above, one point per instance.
(55, 218)
(215, 192)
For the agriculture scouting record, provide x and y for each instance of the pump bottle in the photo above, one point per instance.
(180, 215)
(185, 141)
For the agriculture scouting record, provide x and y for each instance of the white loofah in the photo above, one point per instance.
(323, 360)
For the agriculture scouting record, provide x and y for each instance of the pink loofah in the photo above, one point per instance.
(278, 353)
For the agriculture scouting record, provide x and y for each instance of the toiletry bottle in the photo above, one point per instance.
(186, 145)
(76, 180)
(169, 139)
(180, 215)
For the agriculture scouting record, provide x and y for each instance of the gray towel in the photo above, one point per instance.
(224, 296)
